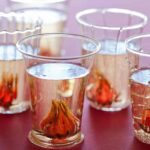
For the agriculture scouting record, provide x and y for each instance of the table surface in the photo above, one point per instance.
(102, 130)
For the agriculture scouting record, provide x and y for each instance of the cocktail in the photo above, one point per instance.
(57, 86)
(53, 14)
(53, 20)
(108, 82)
(139, 65)
(13, 88)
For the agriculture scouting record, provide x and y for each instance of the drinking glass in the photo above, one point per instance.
(53, 20)
(13, 88)
(107, 88)
(53, 15)
(57, 86)
(139, 65)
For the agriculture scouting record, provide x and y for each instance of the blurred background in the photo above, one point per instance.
(76, 5)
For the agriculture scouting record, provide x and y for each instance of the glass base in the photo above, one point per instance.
(15, 108)
(95, 105)
(142, 136)
(46, 142)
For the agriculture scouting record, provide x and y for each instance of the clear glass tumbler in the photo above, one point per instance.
(57, 86)
(13, 88)
(53, 21)
(52, 14)
(139, 65)
(107, 88)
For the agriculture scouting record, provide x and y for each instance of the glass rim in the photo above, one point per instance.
(36, 25)
(26, 10)
(38, 1)
(78, 36)
(43, 8)
(112, 10)
(134, 38)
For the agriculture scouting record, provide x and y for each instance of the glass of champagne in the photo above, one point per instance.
(53, 20)
(57, 85)
(13, 88)
(107, 88)
(53, 15)
(139, 65)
